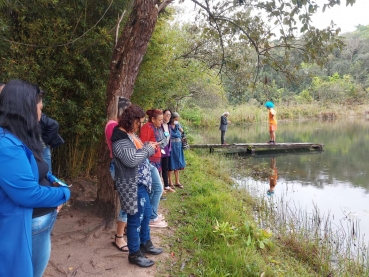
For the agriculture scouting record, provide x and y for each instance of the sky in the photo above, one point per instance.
(347, 18)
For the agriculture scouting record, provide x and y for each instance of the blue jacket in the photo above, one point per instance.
(19, 194)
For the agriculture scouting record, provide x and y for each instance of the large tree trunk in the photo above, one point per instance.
(127, 56)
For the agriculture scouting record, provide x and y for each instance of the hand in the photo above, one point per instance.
(59, 208)
(154, 144)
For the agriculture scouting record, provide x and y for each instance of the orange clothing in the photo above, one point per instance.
(273, 178)
(272, 127)
(137, 142)
(272, 116)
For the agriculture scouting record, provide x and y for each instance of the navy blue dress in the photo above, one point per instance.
(176, 158)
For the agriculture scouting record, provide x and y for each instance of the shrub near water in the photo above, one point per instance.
(215, 232)
(243, 114)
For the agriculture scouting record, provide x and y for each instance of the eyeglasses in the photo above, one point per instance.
(167, 114)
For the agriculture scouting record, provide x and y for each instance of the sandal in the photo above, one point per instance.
(179, 185)
(124, 248)
(169, 189)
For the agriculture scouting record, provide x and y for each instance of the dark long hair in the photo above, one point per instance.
(18, 113)
(129, 116)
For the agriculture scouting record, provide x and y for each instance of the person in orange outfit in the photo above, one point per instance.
(272, 117)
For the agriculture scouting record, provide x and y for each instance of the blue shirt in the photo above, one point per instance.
(20, 192)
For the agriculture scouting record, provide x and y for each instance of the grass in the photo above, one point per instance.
(215, 230)
(216, 233)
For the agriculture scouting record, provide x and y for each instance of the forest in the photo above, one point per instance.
(66, 47)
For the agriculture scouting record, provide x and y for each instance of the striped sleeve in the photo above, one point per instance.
(129, 155)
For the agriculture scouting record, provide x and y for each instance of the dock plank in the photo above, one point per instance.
(252, 147)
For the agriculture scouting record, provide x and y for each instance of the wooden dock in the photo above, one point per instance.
(253, 147)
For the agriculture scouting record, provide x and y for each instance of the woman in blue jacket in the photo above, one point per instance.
(20, 191)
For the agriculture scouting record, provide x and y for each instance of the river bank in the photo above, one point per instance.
(212, 232)
(216, 233)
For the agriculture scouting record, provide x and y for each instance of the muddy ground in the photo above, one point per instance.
(82, 244)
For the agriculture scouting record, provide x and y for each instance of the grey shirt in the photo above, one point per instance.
(223, 123)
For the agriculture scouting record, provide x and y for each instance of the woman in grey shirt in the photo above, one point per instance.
(223, 126)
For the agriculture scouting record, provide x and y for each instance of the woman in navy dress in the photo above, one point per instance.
(176, 160)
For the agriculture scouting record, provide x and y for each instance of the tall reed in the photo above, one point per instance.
(331, 249)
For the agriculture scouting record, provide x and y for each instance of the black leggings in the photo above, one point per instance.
(222, 134)
(164, 170)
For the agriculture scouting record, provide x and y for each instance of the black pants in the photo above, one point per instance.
(164, 170)
(222, 134)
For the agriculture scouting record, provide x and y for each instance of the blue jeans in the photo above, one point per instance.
(46, 155)
(122, 215)
(41, 242)
(138, 230)
(156, 191)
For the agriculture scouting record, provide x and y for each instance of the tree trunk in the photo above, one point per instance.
(127, 56)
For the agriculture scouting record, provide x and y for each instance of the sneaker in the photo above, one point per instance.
(158, 224)
(270, 142)
(161, 217)
(163, 198)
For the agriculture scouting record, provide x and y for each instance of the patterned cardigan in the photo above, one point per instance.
(126, 161)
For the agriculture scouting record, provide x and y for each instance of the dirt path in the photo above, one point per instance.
(81, 246)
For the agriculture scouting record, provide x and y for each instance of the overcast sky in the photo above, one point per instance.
(345, 17)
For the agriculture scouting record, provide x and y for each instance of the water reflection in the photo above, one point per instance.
(335, 182)
(273, 177)
(344, 160)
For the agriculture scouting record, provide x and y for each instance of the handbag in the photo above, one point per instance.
(185, 144)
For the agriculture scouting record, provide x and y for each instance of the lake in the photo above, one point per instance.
(334, 181)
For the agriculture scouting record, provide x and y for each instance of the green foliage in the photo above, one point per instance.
(171, 80)
(251, 235)
(192, 115)
(65, 47)
(337, 90)
(304, 97)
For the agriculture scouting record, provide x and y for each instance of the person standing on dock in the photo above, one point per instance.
(272, 117)
(223, 126)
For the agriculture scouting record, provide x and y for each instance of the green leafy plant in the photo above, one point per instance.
(256, 237)
(225, 230)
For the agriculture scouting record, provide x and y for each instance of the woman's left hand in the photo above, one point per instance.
(59, 208)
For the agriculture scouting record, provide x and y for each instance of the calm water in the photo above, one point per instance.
(335, 181)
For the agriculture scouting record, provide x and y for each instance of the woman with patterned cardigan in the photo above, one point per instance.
(133, 182)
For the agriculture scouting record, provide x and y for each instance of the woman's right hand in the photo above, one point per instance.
(154, 144)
